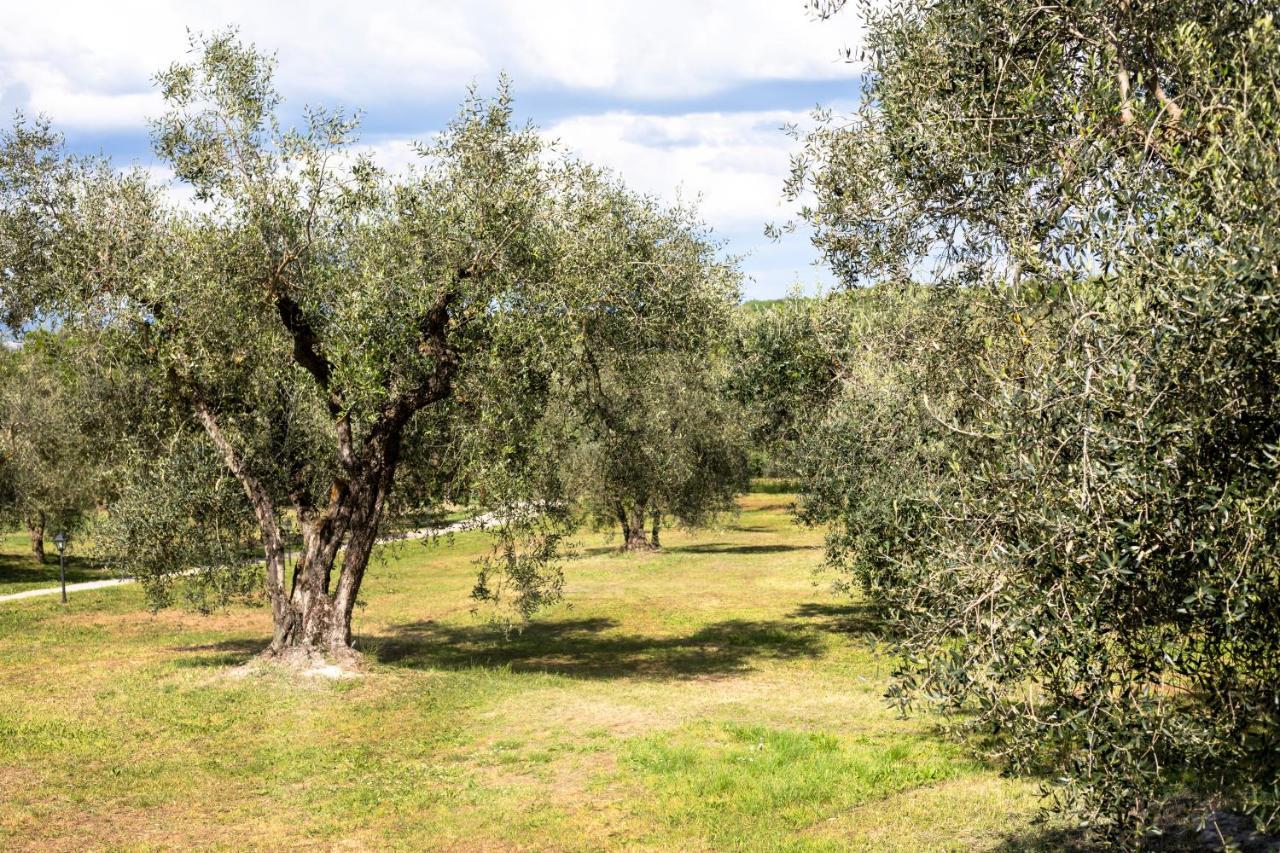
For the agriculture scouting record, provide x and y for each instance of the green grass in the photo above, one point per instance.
(732, 783)
(19, 569)
(773, 485)
(712, 696)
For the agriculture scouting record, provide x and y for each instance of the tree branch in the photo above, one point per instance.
(259, 497)
(306, 342)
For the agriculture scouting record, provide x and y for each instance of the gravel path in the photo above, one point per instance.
(85, 586)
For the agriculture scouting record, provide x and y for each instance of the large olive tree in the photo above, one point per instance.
(1083, 548)
(320, 321)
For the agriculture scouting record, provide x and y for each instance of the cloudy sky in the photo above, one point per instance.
(684, 99)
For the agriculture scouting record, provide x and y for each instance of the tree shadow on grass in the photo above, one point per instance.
(703, 547)
(1179, 832)
(727, 548)
(841, 618)
(222, 653)
(22, 569)
(774, 507)
(1046, 840)
(593, 649)
(598, 551)
(588, 648)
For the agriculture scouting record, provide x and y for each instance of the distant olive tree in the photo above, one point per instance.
(657, 444)
(785, 362)
(648, 436)
(1077, 416)
(37, 180)
(54, 470)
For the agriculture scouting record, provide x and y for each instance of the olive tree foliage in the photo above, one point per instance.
(38, 484)
(646, 434)
(320, 325)
(1079, 410)
(50, 469)
(36, 181)
(656, 442)
(786, 358)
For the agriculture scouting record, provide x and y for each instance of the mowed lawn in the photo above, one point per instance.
(715, 696)
(20, 571)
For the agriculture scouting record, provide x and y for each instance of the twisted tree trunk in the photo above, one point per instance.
(315, 618)
(312, 618)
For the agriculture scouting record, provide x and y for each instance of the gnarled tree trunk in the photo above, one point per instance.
(632, 520)
(312, 619)
(315, 617)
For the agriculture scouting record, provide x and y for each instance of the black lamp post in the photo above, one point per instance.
(60, 540)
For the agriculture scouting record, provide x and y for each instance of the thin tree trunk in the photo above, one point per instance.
(273, 547)
(623, 523)
(656, 529)
(36, 528)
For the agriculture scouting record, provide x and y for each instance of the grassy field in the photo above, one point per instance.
(19, 569)
(710, 697)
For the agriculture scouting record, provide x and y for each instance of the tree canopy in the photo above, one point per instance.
(645, 435)
(56, 469)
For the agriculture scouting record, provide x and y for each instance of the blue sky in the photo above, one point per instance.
(684, 99)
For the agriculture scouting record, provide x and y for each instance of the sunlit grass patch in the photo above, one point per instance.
(733, 783)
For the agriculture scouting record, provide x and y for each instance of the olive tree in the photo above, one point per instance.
(320, 321)
(53, 470)
(1086, 559)
(786, 358)
(655, 441)
(37, 181)
(37, 479)
(646, 434)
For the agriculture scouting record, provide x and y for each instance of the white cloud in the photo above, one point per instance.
(734, 163)
(671, 48)
(102, 112)
(89, 64)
